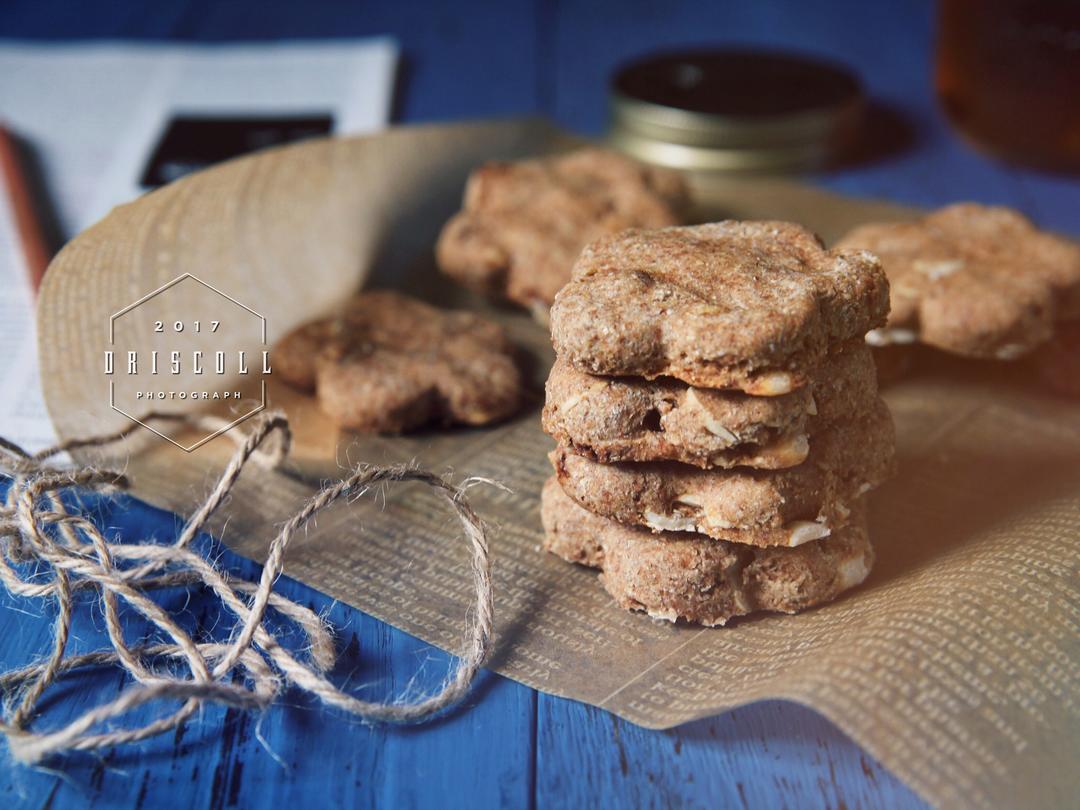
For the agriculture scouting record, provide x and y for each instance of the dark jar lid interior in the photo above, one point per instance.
(735, 109)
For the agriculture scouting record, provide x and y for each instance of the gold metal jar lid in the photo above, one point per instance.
(735, 110)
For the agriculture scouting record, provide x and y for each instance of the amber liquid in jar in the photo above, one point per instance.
(1008, 75)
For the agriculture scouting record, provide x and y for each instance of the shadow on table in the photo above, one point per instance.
(886, 133)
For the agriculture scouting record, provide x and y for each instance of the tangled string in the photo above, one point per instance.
(50, 552)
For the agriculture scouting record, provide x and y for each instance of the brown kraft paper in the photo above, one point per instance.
(956, 663)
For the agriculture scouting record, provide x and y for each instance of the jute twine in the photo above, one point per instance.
(48, 552)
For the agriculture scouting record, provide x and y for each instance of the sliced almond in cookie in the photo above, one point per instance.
(631, 419)
(772, 384)
(803, 531)
(757, 507)
(683, 576)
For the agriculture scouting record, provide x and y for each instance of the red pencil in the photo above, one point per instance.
(35, 246)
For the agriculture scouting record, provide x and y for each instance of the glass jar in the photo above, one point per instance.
(1008, 76)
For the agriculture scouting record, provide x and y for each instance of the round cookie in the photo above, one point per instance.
(975, 280)
(523, 224)
(387, 363)
(677, 575)
(747, 305)
(761, 508)
(613, 419)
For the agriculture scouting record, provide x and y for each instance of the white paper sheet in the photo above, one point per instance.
(22, 409)
(93, 113)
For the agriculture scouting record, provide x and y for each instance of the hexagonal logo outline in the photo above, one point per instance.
(143, 300)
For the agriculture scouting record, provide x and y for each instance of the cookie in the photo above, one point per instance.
(786, 507)
(974, 280)
(295, 354)
(678, 575)
(630, 419)
(387, 363)
(523, 224)
(747, 305)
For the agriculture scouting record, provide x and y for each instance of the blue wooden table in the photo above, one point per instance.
(510, 745)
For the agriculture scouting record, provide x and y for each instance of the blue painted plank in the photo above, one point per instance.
(478, 755)
(771, 754)
(474, 60)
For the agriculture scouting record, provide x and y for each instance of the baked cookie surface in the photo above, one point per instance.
(295, 354)
(388, 363)
(785, 507)
(613, 419)
(523, 224)
(975, 280)
(678, 575)
(747, 305)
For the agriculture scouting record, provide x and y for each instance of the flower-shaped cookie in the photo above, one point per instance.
(612, 419)
(678, 575)
(748, 305)
(387, 363)
(974, 280)
(785, 507)
(523, 224)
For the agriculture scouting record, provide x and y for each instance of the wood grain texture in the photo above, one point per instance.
(480, 755)
(507, 747)
(512, 747)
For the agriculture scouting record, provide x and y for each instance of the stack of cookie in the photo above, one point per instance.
(718, 418)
